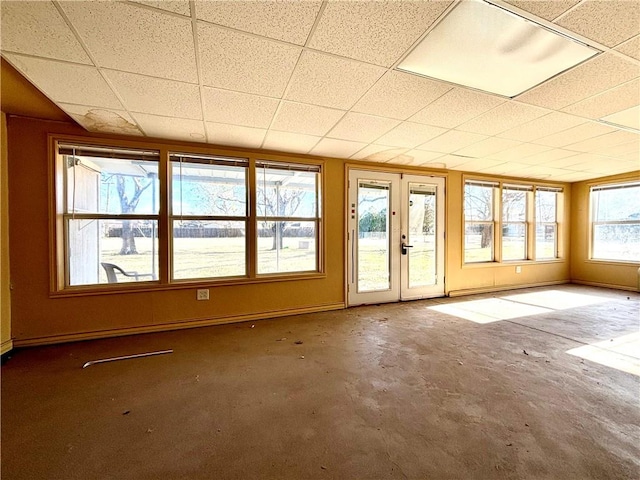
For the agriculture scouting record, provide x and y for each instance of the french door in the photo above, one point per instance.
(395, 237)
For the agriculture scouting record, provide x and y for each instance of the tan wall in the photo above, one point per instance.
(6, 343)
(584, 270)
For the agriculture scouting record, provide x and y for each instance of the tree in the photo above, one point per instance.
(128, 204)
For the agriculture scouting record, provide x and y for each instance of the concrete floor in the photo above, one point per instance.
(395, 391)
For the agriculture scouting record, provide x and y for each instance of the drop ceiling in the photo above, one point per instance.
(322, 78)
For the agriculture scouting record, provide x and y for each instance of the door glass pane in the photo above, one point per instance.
(373, 236)
(422, 235)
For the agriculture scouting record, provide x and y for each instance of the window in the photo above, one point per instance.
(615, 222)
(479, 218)
(288, 217)
(527, 211)
(126, 215)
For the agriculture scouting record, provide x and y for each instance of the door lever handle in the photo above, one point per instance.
(404, 248)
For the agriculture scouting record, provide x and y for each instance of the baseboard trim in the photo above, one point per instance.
(501, 288)
(180, 325)
(626, 288)
(6, 346)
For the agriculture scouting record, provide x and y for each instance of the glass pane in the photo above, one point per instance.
(478, 242)
(514, 205)
(422, 236)
(546, 241)
(108, 251)
(212, 249)
(514, 241)
(201, 189)
(478, 202)
(108, 185)
(617, 242)
(286, 193)
(286, 247)
(616, 204)
(546, 207)
(373, 237)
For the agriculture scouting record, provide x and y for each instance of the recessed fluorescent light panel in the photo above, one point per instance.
(482, 46)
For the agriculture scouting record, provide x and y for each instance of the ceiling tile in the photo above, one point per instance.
(37, 28)
(574, 177)
(409, 135)
(628, 118)
(181, 7)
(611, 101)
(503, 168)
(487, 147)
(565, 162)
(66, 82)
(547, 9)
(631, 48)
(126, 37)
(606, 22)
(330, 81)
(575, 134)
(590, 78)
(541, 127)
(503, 117)
(234, 135)
(224, 106)
(102, 120)
(476, 164)
(451, 141)
(375, 32)
(289, 142)
(604, 141)
(330, 147)
(378, 153)
(548, 156)
(289, 21)
(421, 157)
(519, 152)
(456, 107)
(246, 63)
(307, 119)
(620, 150)
(359, 127)
(156, 96)
(400, 95)
(173, 128)
(452, 161)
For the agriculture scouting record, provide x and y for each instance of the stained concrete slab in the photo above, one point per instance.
(393, 391)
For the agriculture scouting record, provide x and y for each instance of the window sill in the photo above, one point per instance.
(511, 263)
(620, 263)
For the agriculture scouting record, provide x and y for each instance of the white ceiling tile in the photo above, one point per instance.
(181, 7)
(126, 37)
(604, 141)
(400, 95)
(631, 48)
(234, 135)
(574, 177)
(456, 107)
(612, 101)
(102, 120)
(547, 9)
(451, 141)
(378, 153)
(224, 106)
(359, 127)
(548, 156)
(246, 63)
(503, 117)
(487, 147)
(289, 142)
(503, 168)
(289, 21)
(606, 22)
(330, 147)
(66, 82)
(536, 171)
(541, 127)
(421, 157)
(156, 96)
(451, 161)
(587, 79)
(173, 128)
(306, 119)
(405, 159)
(409, 135)
(618, 151)
(519, 152)
(37, 28)
(566, 162)
(628, 118)
(575, 134)
(330, 81)
(476, 165)
(375, 32)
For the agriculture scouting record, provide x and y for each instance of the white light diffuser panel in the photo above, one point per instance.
(482, 46)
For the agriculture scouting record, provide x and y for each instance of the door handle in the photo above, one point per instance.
(404, 248)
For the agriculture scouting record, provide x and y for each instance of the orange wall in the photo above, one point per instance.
(5, 292)
(597, 272)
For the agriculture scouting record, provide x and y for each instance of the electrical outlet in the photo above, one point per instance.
(202, 294)
(518, 269)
